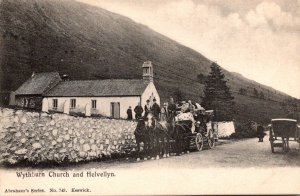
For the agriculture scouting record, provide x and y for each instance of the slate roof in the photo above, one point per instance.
(39, 83)
(98, 88)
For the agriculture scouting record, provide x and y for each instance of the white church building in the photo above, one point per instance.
(111, 97)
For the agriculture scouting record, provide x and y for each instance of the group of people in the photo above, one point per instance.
(167, 111)
(139, 110)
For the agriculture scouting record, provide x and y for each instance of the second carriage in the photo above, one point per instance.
(281, 130)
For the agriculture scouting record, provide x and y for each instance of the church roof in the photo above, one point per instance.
(98, 88)
(39, 83)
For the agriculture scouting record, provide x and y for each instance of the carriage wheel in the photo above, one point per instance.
(210, 139)
(199, 141)
(211, 143)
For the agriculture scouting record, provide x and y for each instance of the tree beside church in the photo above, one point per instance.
(217, 95)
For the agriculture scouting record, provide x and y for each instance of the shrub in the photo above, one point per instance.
(245, 130)
(97, 115)
(77, 114)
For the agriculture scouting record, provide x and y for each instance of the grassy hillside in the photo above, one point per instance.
(88, 42)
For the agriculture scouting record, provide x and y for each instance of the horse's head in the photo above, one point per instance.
(149, 115)
(140, 128)
(150, 120)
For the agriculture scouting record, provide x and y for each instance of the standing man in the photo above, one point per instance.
(260, 133)
(147, 108)
(171, 110)
(164, 112)
(129, 113)
(138, 111)
(155, 109)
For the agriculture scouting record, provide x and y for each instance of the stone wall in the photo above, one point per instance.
(41, 137)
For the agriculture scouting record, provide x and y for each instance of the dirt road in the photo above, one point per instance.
(243, 153)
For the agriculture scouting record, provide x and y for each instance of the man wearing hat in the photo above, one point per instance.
(155, 109)
(147, 108)
(184, 107)
(129, 113)
(138, 111)
(171, 110)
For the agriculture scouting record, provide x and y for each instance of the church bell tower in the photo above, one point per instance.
(148, 71)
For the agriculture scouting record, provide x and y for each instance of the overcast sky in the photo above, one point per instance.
(259, 39)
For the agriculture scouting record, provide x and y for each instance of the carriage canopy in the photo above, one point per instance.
(284, 127)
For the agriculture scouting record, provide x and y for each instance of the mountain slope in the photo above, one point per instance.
(88, 42)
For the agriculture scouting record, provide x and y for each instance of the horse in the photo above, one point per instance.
(159, 136)
(142, 136)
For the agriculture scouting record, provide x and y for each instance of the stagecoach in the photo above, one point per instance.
(186, 131)
(281, 131)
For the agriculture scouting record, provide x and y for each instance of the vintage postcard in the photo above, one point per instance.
(149, 97)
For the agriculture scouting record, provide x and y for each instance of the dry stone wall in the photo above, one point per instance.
(41, 137)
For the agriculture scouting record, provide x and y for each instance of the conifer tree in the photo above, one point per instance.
(217, 95)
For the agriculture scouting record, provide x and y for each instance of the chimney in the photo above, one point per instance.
(147, 71)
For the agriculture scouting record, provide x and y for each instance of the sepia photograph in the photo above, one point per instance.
(149, 97)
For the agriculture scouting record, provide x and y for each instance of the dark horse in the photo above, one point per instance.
(155, 135)
(142, 136)
(159, 132)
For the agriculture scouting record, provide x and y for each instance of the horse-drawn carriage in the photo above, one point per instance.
(198, 133)
(178, 135)
(281, 131)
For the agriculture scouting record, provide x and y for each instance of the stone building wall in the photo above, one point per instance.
(41, 137)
